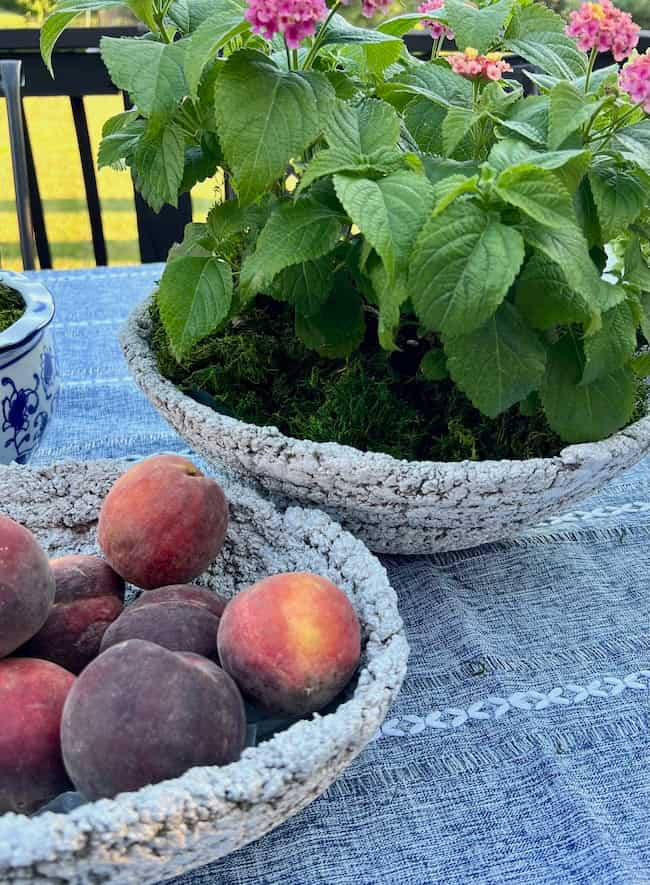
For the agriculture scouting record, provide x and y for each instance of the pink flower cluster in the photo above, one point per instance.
(603, 27)
(478, 67)
(296, 19)
(436, 28)
(635, 79)
(372, 7)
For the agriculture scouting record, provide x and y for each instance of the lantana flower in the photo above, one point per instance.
(635, 79)
(436, 29)
(295, 19)
(474, 66)
(603, 27)
(372, 7)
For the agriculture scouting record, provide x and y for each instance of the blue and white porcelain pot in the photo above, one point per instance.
(29, 381)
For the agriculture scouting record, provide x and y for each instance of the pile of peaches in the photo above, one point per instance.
(111, 698)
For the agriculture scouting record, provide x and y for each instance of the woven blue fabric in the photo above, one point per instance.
(518, 750)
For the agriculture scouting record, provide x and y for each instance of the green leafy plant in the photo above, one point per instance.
(394, 206)
(12, 307)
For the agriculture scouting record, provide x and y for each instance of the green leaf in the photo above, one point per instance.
(584, 412)
(306, 286)
(478, 28)
(188, 15)
(295, 232)
(200, 164)
(553, 52)
(434, 365)
(196, 243)
(331, 162)
(462, 267)
(195, 297)
(612, 346)
(389, 212)
(456, 126)
(641, 365)
(596, 81)
(266, 117)
(535, 19)
(389, 297)
(362, 130)
(402, 24)
(64, 12)
(338, 328)
(227, 220)
(539, 194)
(226, 22)
(569, 111)
(341, 32)
(568, 248)
(545, 298)
(633, 142)
(619, 196)
(529, 118)
(423, 119)
(499, 363)
(158, 164)
(120, 136)
(432, 81)
(450, 188)
(571, 163)
(438, 168)
(152, 73)
(637, 272)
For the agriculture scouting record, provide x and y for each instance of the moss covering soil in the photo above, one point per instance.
(12, 307)
(256, 370)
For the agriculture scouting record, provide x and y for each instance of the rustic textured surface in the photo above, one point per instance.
(162, 830)
(394, 506)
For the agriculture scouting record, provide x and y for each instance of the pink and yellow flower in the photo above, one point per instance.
(474, 66)
(436, 29)
(603, 27)
(635, 79)
(296, 19)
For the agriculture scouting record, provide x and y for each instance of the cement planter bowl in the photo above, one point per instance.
(393, 506)
(163, 830)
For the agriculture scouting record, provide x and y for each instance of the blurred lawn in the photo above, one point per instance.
(59, 174)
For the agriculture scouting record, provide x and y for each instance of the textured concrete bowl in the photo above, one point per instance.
(171, 827)
(394, 506)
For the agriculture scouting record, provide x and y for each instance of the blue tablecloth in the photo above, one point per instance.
(519, 750)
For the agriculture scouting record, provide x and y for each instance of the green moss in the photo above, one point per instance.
(373, 401)
(12, 307)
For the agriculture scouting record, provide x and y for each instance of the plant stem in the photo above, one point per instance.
(159, 13)
(294, 58)
(611, 132)
(476, 87)
(438, 47)
(286, 47)
(318, 40)
(590, 68)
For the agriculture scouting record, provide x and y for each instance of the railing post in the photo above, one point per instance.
(10, 82)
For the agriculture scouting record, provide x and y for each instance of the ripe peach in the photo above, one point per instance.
(89, 596)
(32, 694)
(180, 618)
(163, 522)
(26, 586)
(291, 642)
(139, 714)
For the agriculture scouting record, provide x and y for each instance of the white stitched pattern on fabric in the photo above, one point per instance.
(577, 516)
(530, 701)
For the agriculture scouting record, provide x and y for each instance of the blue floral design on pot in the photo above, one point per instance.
(29, 374)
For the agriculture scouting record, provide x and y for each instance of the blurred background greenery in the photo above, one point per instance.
(57, 159)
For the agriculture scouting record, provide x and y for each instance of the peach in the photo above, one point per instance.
(26, 586)
(140, 714)
(291, 642)
(180, 618)
(89, 597)
(163, 522)
(32, 695)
